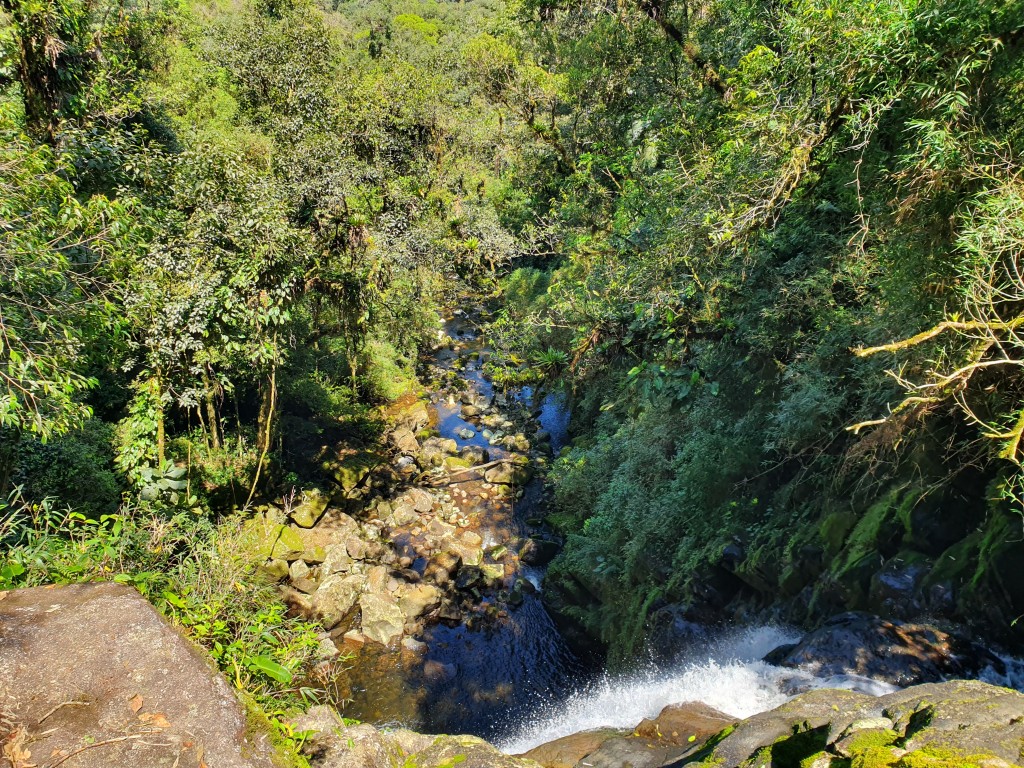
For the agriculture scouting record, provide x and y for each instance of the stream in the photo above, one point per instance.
(476, 677)
(501, 670)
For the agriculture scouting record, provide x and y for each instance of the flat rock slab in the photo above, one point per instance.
(92, 676)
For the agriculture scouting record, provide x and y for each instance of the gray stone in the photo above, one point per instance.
(104, 647)
(405, 441)
(335, 745)
(382, 619)
(335, 597)
(417, 599)
(298, 570)
(474, 753)
(421, 500)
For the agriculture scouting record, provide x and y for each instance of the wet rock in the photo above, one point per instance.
(443, 566)
(106, 650)
(685, 724)
(449, 611)
(892, 651)
(475, 454)
(414, 645)
(492, 572)
(537, 551)
(335, 597)
(466, 433)
(382, 619)
(570, 751)
(469, 411)
(468, 577)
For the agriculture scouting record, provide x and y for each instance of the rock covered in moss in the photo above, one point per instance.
(330, 743)
(957, 724)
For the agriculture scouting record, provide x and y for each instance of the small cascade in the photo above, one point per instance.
(727, 674)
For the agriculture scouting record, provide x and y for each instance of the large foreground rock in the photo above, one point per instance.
(92, 676)
(330, 743)
(956, 724)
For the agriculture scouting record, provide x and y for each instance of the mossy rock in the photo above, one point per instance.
(834, 529)
(349, 471)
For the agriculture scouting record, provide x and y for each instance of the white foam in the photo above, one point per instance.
(728, 676)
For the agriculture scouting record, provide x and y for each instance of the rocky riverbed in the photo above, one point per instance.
(422, 558)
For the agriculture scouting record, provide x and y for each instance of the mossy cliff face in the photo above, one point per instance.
(902, 552)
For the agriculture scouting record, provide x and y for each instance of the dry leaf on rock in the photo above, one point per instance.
(14, 749)
(156, 719)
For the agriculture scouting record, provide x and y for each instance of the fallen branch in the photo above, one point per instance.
(931, 333)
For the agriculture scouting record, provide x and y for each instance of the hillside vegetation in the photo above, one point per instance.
(771, 250)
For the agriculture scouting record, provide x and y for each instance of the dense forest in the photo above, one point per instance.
(772, 251)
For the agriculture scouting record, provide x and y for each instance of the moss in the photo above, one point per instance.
(259, 725)
(874, 757)
(791, 751)
(834, 529)
(937, 757)
(871, 738)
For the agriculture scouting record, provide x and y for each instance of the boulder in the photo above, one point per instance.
(95, 665)
(402, 515)
(466, 752)
(569, 751)
(891, 651)
(334, 745)
(309, 509)
(475, 454)
(417, 599)
(335, 597)
(405, 441)
(443, 566)
(382, 618)
(422, 501)
(684, 724)
(336, 560)
(414, 418)
(939, 725)
(537, 551)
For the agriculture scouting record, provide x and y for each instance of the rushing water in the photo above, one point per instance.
(726, 673)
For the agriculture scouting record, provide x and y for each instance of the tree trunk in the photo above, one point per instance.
(212, 419)
(157, 391)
